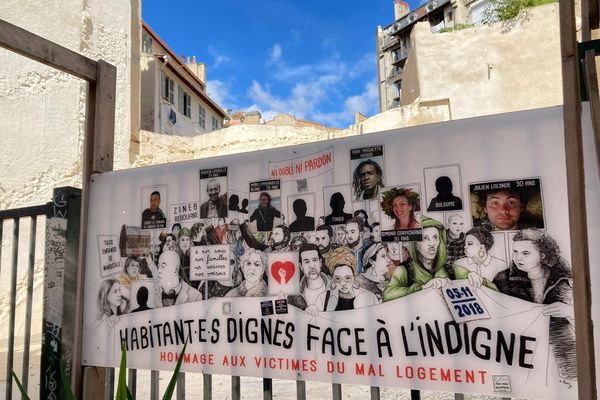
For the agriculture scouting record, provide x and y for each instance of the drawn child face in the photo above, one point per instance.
(456, 223)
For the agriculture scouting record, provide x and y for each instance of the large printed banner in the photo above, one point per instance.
(441, 266)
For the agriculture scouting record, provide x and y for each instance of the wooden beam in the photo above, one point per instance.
(97, 157)
(586, 368)
(104, 120)
(42, 50)
(591, 88)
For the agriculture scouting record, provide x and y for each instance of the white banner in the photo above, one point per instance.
(292, 272)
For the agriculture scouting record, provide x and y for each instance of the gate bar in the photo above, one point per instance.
(11, 319)
(30, 272)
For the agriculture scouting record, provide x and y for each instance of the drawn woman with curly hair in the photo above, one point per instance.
(401, 205)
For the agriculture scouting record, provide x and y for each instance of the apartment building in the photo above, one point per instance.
(393, 40)
(173, 91)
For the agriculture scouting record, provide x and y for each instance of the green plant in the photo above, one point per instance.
(122, 390)
(504, 10)
(457, 27)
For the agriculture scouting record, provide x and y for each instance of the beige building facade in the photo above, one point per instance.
(394, 40)
(173, 91)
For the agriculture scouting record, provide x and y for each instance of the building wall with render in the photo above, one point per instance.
(484, 70)
(43, 109)
(43, 118)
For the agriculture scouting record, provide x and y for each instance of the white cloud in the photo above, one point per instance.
(366, 103)
(302, 101)
(275, 54)
(218, 58)
(220, 93)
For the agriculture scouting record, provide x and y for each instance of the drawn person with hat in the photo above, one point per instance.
(425, 268)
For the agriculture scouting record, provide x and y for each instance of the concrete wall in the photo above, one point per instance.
(480, 69)
(44, 110)
(43, 119)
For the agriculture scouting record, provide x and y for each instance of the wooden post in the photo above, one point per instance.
(586, 368)
(98, 157)
(591, 86)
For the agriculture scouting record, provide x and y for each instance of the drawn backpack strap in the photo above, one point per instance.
(327, 295)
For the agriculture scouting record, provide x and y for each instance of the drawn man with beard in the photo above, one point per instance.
(425, 268)
(314, 284)
(354, 238)
(280, 239)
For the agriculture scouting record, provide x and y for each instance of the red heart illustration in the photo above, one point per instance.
(282, 270)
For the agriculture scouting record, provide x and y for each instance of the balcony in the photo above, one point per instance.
(395, 74)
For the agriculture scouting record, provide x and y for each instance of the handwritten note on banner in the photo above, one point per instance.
(210, 263)
(108, 250)
(463, 302)
(303, 167)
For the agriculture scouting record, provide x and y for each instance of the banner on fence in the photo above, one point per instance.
(441, 266)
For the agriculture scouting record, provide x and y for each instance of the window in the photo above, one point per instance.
(202, 117)
(215, 124)
(146, 43)
(167, 88)
(185, 102)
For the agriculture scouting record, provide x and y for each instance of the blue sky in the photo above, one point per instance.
(314, 59)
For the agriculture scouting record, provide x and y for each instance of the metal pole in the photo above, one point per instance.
(11, 318)
(30, 272)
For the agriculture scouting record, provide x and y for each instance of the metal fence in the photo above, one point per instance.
(17, 276)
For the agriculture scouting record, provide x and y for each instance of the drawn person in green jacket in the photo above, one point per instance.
(425, 268)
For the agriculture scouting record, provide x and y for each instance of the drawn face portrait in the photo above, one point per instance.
(176, 229)
(340, 235)
(472, 246)
(504, 210)
(213, 188)
(368, 177)
(428, 246)
(310, 264)
(113, 297)
(253, 268)
(184, 243)
(352, 234)
(343, 277)
(133, 269)
(401, 207)
(456, 224)
(381, 261)
(277, 236)
(525, 256)
(168, 269)
(321, 239)
(377, 234)
(154, 201)
(170, 243)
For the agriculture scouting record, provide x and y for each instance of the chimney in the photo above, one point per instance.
(401, 8)
(198, 69)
